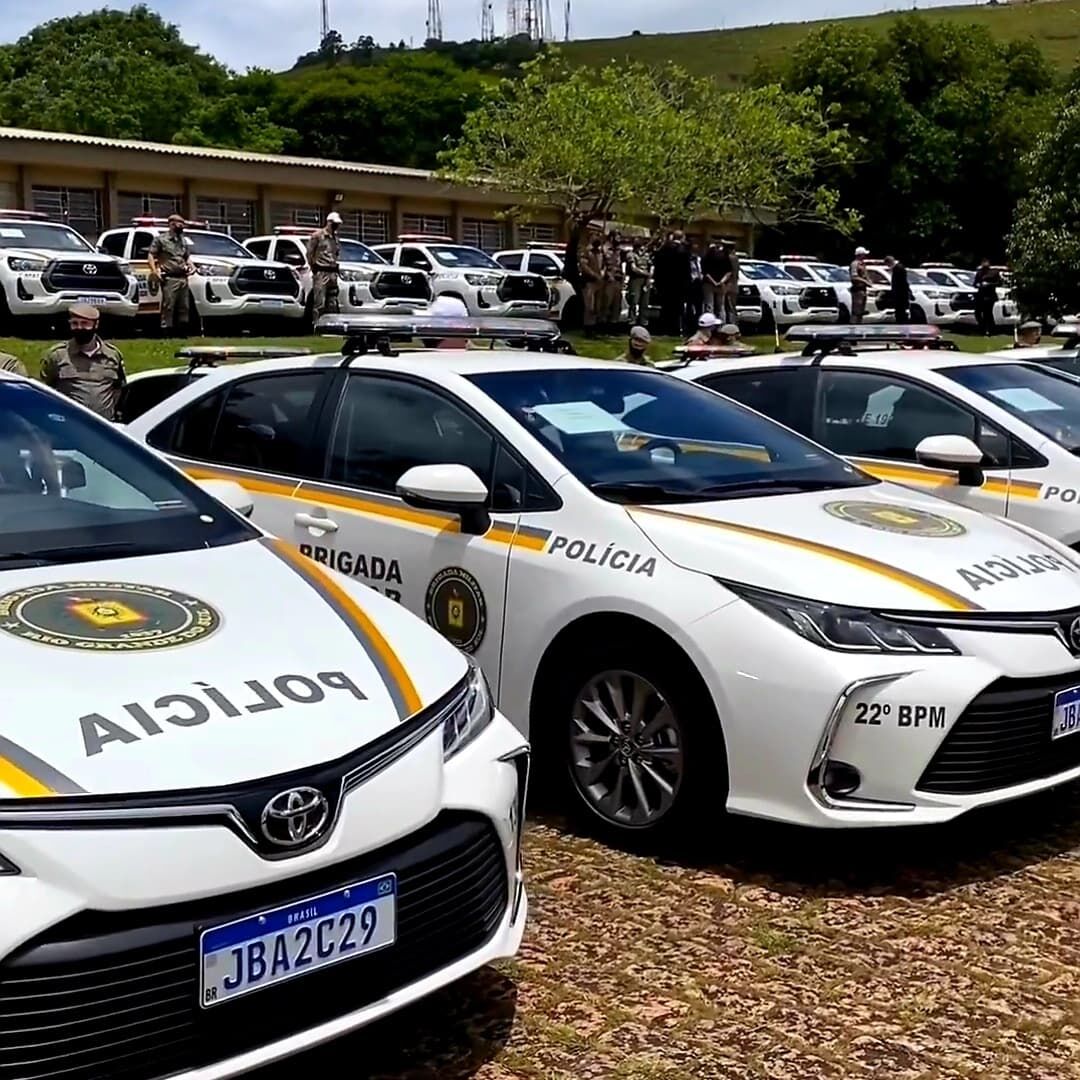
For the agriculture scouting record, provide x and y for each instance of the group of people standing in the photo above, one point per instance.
(685, 283)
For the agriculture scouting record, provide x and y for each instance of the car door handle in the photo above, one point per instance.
(314, 521)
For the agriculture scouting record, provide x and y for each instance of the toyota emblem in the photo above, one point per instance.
(1074, 635)
(295, 817)
(269, 273)
(407, 278)
(89, 268)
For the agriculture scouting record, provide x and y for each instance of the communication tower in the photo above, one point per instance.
(325, 21)
(532, 18)
(566, 21)
(434, 20)
(487, 21)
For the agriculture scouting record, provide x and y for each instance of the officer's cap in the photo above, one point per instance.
(639, 333)
(707, 321)
(1031, 325)
(334, 217)
(84, 311)
(730, 329)
(176, 217)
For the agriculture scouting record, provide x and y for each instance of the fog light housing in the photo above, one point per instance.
(841, 779)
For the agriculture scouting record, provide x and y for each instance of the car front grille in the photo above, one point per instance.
(257, 280)
(400, 285)
(112, 995)
(749, 294)
(963, 301)
(523, 287)
(84, 276)
(1003, 738)
(818, 297)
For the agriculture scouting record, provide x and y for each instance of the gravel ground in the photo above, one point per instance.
(905, 955)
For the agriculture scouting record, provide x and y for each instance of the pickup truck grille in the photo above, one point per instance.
(84, 276)
(524, 287)
(265, 281)
(818, 296)
(749, 294)
(401, 285)
(963, 301)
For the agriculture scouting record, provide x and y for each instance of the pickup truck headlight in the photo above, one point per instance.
(483, 279)
(26, 266)
(938, 294)
(786, 290)
(845, 629)
(475, 713)
(356, 275)
(212, 269)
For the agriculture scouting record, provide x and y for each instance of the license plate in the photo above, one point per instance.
(1066, 713)
(273, 303)
(264, 950)
(93, 300)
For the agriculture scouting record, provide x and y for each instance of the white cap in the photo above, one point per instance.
(708, 320)
(861, 251)
(334, 217)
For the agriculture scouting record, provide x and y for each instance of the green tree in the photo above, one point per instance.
(943, 115)
(653, 141)
(1044, 244)
(110, 73)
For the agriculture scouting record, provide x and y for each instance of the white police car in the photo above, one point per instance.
(687, 605)
(997, 432)
(246, 805)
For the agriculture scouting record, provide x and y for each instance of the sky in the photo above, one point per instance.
(272, 33)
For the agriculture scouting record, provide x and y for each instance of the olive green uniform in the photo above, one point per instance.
(91, 374)
(324, 255)
(611, 308)
(591, 269)
(171, 254)
(638, 271)
(12, 364)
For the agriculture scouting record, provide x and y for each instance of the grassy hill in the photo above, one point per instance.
(731, 54)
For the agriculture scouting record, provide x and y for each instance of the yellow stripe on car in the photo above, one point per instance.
(928, 477)
(938, 593)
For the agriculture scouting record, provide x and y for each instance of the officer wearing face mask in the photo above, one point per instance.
(86, 369)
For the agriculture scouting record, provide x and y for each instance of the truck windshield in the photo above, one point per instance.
(464, 256)
(208, 243)
(32, 234)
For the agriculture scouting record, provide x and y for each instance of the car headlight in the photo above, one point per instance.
(26, 266)
(483, 279)
(471, 716)
(356, 275)
(845, 629)
(937, 294)
(786, 290)
(212, 269)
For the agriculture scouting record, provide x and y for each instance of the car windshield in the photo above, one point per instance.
(75, 489)
(29, 234)
(965, 277)
(352, 251)
(916, 277)
(1047, 400)
(759, 271)
(209, 243)
(832, 273)
(464, 256)
(644, 437)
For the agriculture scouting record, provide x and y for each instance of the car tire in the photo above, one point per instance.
(685, 751)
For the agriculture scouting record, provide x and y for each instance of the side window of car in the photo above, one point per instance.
(415, 258)
(262, 423)
(114, 244)
(290, 252)
(509, 262)
(783, 394)
(876, 415)
(259, 248)
(141, 395)
(544, 265)
(799, 273)
(140, 247)
(937, 277)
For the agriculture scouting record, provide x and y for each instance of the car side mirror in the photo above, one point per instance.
(230, 493)
(454, 489)
(953, 452)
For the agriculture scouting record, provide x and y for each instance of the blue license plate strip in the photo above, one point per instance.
(275, 946)
(1066, 717)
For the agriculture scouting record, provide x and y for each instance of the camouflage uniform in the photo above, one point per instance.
(611, 308)
(12, 364)
(91, 374)
(171, 255)
(324, 255)
(591, 269)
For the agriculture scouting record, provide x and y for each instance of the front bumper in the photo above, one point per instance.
(929, 737)
(749, 314)
(26, 295)
(98, 967)
(788, 313)
(215, 299)
(354, 299)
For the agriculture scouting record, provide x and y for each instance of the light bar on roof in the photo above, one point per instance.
(28, 215)
(918, 333)
(1066, 330)
(209, 354)
(404, 326)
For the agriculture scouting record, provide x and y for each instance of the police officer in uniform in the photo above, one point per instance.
(591, 272)
(169, 261)
(324, 257)
(638, 347)
(86, 369)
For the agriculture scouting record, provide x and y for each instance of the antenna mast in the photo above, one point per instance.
(487, 21)
(325, 21)
(434, 20)
(531, 18)
(566, 21)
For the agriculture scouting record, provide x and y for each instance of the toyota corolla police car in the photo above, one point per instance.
(997, 432)
(688, 606)
(246, 804)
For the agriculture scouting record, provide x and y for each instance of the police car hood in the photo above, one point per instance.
(881, 546)
(53, 253)
(200, 669)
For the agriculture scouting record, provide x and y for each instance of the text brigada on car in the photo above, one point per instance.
(246, 804)
(689, 607)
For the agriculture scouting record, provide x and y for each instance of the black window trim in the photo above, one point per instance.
(906, 380)
(224, 389)
(551, 501)
(808, 411)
